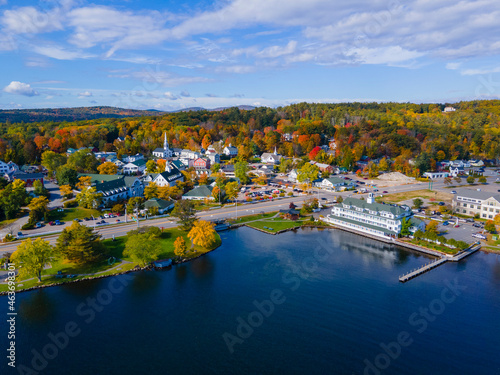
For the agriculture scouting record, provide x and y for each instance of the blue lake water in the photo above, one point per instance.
(305, 302)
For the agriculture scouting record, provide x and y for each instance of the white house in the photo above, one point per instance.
(271, 158)
(334, 183)
(134, 167)
(132, 158)
(455, 171)
(473, 202)
(164, 152)
(434, 175)
(6, 168)
(369, 217)
(169, 177)
(292, 176)
(214, 158)
(230, 151)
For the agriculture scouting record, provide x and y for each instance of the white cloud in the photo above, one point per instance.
(59, 53)
(453, 65)
(185, 94)
(85, 94)
(29, 20)
(473, 72)
(154, 79)
(277, 51)
(170, 96)
(120, 29)
(389, 55)
(20, 88)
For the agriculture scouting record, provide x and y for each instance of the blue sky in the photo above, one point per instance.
(169, 55)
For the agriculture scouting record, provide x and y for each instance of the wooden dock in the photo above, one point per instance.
(438, 262)
(422, 270)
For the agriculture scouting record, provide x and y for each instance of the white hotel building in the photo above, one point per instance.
(377, 219)
(476, 202)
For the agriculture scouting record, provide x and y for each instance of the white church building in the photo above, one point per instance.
(165, 152)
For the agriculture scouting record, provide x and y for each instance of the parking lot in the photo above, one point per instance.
(462, 233)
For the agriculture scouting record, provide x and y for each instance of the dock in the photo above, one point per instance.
(422, 270)
(438, 262)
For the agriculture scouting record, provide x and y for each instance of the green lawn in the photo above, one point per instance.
(245, 219)
(72, 213)
(114, 249)
(275, 224)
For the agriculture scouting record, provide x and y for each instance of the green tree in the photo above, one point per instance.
(232, 189)
(458, 180)
(12, 198)
(38, 187)
(151, 166)
(83, 161)
(32, 256)
(135, 204)
(308, 173)
(215, 168)
(52, 161)
(240, 170)
(67, 175)
(405, 226)
(38, 208)
(89, 198)
(482, 180)
(418, 203)
(470, 180)
(143, 248)
(185, 212)
(80, 244)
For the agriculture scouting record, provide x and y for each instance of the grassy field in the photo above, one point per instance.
(424, 194)
(430, 245)
(70, 214)
(121, 263)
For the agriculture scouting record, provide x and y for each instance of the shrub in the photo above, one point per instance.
(28, 225)
(69, 204)
(9, 238)
(290, 193)
(282, 194)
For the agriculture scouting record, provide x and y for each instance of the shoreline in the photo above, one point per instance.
(402, 244)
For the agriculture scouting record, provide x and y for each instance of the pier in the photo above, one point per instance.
(438, 262)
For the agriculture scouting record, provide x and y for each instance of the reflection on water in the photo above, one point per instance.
(145, 281)
(38, 307)
(203, 267)
(181, 273)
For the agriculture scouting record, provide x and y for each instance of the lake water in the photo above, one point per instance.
(305, 302)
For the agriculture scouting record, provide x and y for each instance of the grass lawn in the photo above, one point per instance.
(425, 194)
(245, 219)
(72, 213)
(114, 249)
(276, 224)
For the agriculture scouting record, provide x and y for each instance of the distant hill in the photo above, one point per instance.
(70, 114)
(194, 109)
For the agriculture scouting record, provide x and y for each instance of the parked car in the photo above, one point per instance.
(20, 234)
(456, 226)
(469, 220)
(77, 220)
(52, 223)
(445, 223)
(38, 225)
(441, 203)
(57, 222)
(476, 225)
(384, 192)
(454, 192)
(479, 235)
(118, 220)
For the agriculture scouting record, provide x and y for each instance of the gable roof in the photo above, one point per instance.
(157, 202)
(470, 193)
(138, 162)
(99, 178)
(395, 210)
(200, 191)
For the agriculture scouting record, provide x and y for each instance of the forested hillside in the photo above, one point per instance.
(397, 131)
(68, 114)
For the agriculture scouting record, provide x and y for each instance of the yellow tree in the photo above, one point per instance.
(38, 208)
(203, 180)
(180, 248)
(151, 191)
(66, 191)
(32, 256)
(107, 168)
(83, 183)
(203, 234)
